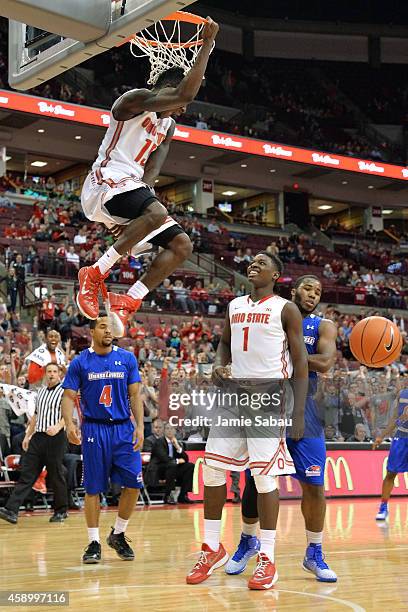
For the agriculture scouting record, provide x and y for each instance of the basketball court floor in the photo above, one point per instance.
(369, 558)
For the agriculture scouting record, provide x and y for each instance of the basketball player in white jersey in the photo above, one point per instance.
(118, 189)
(262, 340)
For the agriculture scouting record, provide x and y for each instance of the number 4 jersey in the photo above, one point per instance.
(259, 346)
(103, 382)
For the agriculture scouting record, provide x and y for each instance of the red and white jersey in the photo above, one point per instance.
(259, 346)
(127, 145)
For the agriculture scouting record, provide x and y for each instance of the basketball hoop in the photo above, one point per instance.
(163, 43)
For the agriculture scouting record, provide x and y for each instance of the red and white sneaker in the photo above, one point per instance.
(90, 283)
(120, 306)
(206, 564)
(265, 574)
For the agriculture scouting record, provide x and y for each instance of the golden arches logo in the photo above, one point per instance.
(336, 465)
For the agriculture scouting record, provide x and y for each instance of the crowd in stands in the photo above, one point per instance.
(292, 102)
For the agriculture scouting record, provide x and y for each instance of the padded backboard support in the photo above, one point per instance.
(32, 63)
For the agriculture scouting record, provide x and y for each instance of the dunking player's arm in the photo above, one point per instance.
(223, 354)
(158, 157)
(136, 406)
(326, 349)
(293, 326)
(136, 101)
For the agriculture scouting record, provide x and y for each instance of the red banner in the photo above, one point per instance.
(348, 473)
(95, 116)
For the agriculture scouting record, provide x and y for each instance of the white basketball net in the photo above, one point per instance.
(166, 49)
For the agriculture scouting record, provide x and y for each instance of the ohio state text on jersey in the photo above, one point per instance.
(259, 346)
(127, 145)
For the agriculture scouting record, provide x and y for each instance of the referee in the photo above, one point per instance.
(45, 444)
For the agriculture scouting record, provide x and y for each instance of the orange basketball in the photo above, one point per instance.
(376, 342)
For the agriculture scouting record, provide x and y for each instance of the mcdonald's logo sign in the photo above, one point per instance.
(336, 465)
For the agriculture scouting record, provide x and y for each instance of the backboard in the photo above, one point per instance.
(37, 55)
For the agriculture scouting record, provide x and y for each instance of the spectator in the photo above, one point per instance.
(200, 298)
(162, 331)
(174, 340)
(157, 433)
(48, 352)
(328, 272)
(170, 462)
(72, 259)
(65, 322)
(331, 435)
(360, 434)
(47, 313)
(146, 353)
(182, 299)
(12, 288)
(213, 228)
(80, 237)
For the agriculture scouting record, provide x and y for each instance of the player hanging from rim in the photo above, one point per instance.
(263, 341)
(308, 453)
(117, 192)
(398, 457)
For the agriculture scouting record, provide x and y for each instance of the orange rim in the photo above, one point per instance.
(176, 16)
(155, 43)
(184, 16)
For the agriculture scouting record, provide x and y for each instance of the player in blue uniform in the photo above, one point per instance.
(308, 453)
(107, 378)
(398, 457)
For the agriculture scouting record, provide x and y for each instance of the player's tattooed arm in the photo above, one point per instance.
(326, 349)
(67, 410)
(293, 325)
(136, 406)
(137, 101)
(158, 157)
(223, 355)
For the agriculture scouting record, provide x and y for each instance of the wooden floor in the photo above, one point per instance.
(370, 560)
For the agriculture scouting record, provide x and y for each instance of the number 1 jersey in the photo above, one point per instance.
(259, 346)
(103, 382)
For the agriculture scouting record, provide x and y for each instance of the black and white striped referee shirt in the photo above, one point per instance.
(48, 407)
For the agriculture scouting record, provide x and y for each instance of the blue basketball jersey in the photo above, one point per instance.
(103, 382)
(402, 422)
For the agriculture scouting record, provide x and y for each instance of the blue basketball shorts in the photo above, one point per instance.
(398, 457)
(108, 454)
(309, 457)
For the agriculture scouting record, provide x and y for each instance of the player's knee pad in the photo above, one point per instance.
(265, 484)
(212, 477)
